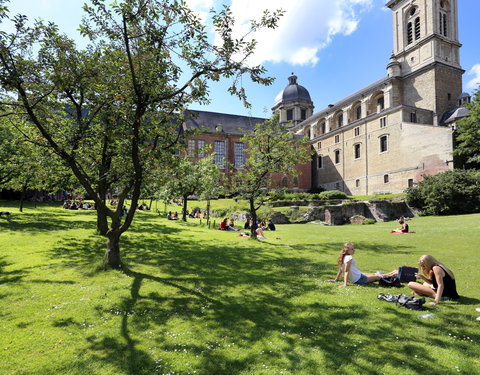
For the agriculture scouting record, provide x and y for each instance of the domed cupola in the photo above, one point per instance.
(293, 102)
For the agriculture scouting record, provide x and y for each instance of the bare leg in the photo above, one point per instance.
(421, 289)
(372, 277)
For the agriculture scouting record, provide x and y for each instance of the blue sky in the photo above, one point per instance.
(335, 47)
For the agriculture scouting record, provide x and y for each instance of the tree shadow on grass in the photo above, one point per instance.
(248, 296)
(10, 276)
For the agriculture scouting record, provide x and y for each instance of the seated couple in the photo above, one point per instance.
(224, 225)
(439, 281)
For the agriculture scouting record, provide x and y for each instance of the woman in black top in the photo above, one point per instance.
(439, 280)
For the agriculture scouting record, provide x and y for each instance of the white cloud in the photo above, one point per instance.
(201, 7)
(307, 27)
(474, 83)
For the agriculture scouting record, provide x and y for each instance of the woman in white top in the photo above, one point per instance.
(346, 264)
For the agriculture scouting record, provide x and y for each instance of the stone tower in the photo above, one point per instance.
(293, 103)
(426, 54)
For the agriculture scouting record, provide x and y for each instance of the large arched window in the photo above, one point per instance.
(377, 103)
(413, 25)
(443, 18)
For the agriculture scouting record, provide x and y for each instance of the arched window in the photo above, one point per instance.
(413, 26)
(443, 18)
(337, 156)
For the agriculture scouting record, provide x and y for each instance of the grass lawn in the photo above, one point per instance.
(199, 301)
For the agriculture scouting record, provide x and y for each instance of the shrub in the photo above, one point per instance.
(332, 194)
(368, 221)
(447, 193)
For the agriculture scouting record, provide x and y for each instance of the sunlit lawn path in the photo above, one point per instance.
(193, 300)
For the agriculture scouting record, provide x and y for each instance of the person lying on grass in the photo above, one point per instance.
(438, 280)
(346, 264)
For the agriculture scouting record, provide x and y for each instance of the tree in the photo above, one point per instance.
(468, 134)
(189, 177)
(448, 193)
(111, 110)
(272, 150)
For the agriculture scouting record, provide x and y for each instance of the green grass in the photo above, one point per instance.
(199, 301)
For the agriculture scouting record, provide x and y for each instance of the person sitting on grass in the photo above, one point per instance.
(231, 225)
(347, 266)
(270, 225)
(402, 229)
(438, 280)
(223, 225)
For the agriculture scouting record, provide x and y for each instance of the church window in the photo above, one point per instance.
(357, 131)
(383, 143)
(239, 150)
(386, 178)
(323, 128)
(417, 28)
(357, 150)
(383, 122)
(337, 139)
(357, 183)
(191, 147)
(410, 182)
(219, 148)
(409, 33)
(337, 156)
(413, 117)
(320, 161)
(201, 148)
(303, 114)
(289, 114)
(340, 120)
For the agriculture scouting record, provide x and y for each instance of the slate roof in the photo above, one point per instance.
(214, 122)
(292, 92)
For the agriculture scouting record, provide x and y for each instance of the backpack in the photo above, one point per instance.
(407, 274)
(411, 303)
(389, 281)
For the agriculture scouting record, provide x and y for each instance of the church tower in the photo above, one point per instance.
(426, 53)
(293, 103)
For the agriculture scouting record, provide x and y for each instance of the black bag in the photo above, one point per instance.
(411, 303)
(390, 281)
(407, 274)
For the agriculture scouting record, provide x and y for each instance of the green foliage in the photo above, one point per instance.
(190, 304)
(111, 111)
(467, 135)
(332, 194)
(272, 149)
(369, 221)
(447, 193)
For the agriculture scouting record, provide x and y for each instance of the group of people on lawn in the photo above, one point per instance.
(438, 281)
(259, 226)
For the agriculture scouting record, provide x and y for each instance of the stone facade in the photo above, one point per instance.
(385, 137)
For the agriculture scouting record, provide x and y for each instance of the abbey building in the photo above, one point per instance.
(384, 137)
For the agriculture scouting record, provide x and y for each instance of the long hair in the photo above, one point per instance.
(343, 252)
(427, 262)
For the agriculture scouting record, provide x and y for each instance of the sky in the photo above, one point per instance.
(334, 47)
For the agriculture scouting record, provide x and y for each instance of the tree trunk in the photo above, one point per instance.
(184, 211)
(22, 198)
(112, 254)
(102, 220)
(208, 212)
(253, 213)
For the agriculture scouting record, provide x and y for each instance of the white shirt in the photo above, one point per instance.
(354, 273)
